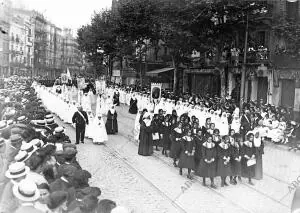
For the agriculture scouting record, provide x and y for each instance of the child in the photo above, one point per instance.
(99, 131)
(236, 157)
(187, 159)
(89, 127)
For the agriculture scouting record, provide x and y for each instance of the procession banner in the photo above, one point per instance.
(81, 83)
(64, 78)
(155, 92)
(100, 87)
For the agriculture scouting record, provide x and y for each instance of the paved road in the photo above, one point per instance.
(152, 184)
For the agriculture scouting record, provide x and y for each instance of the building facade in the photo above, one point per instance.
(5, 18)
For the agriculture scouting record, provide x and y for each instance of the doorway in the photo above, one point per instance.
(288, 93)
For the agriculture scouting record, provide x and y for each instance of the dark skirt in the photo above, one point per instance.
(145, 147)
(259, 168)
(186, 161)
(236, 168)
(111, 126)
(133, 109)
(175, 149)
(247, 171)
(206, 169)
(166, 142)
(222, 169)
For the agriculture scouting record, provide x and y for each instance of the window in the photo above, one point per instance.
(292, 8)
(261, 37)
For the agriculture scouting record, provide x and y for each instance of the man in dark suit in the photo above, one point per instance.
(246, 125)
(80, 119)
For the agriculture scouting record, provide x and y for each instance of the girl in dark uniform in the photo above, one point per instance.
(198, 146)
(248, 158)
(206, 126)
(187, 159)
(195, 128)
(207, 166)
(223, 162)
(166, 132)
(216, 136)
(236, 157)
(155, 131)
(176, 136)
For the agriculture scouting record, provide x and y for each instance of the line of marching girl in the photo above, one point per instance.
(202, 149)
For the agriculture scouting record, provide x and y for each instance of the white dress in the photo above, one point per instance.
(99, 134)
(89, 128)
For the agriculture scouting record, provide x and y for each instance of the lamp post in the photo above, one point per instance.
(243, 79)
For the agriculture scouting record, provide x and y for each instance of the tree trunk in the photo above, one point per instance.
(174, 75)
(121, 70)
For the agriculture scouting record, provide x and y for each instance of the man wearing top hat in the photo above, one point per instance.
(80, 119)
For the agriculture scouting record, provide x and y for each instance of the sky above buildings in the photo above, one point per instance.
(66, 13)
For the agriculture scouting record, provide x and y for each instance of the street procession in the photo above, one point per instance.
(143, 106)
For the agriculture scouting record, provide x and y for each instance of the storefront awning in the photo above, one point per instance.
(156, 72)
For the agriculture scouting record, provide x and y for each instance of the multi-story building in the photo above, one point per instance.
(71, 55)
(5, 17)
(40, 44)
(28, 52)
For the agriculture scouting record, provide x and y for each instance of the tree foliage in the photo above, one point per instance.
(289, 32)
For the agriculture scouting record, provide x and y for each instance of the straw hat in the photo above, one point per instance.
(59, 129)
(26, 191)
(21, 118)
(17, 170)
(37, 143)
(28, 147)
(22, 156)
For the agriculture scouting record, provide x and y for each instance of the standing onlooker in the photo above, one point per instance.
(80, 119)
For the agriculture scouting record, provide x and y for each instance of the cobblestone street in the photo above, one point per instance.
(152, 184)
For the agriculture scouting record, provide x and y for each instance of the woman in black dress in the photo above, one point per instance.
(223, 162)
(146, 144)
(208, 165)
(176, 135)
(111, 124)
(248, 158)
(187, 159)
(133, 109)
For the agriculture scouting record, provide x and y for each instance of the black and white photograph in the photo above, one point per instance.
(150, 106)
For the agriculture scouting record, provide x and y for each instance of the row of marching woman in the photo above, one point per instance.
(209, 136)
(39, 171)
(92, 126)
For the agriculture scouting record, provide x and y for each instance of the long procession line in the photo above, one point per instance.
(196, 179)
(266, 174)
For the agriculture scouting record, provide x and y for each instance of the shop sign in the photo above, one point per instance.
(116, 73)
(289, 74)
(202, 71)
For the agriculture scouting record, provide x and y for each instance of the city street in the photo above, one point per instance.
(152, 184)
